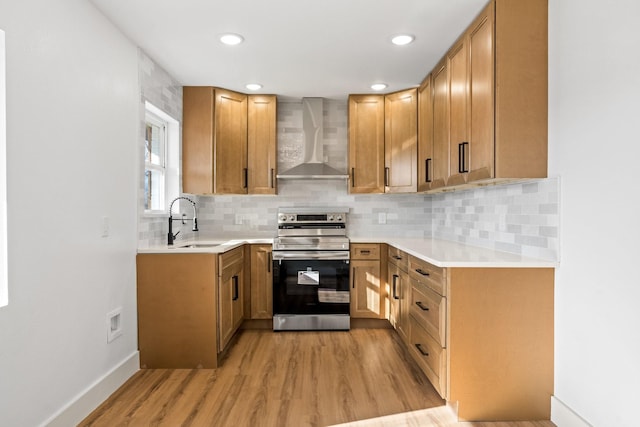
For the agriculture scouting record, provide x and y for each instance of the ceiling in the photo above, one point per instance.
(294, 48)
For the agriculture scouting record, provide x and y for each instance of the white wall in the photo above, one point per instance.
(72, 123)
(594, 110)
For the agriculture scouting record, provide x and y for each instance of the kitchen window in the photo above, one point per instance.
(161, 171)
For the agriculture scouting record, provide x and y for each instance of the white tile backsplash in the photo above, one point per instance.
(521, 217)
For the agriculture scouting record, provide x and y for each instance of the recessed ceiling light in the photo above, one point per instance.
(378, 86)
(402, 39)
(231, 39)
(253, 86)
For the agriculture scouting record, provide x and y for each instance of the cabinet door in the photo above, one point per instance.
(197, 140)
(365, 289)
(481, 96)
(230, 142)
(394, 293)
(440, 81)
(261, 282)
(401, 141)
(404, 292)
(261, 144)
(458, 122)
(366, 143)
(425, 135)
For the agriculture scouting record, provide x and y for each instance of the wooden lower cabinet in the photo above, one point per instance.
(367, 290)
(231, 295)
(177, 310)
(261, 282)
(484, 338)
(399, 292)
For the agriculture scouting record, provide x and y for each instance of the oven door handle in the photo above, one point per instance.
(326, 255)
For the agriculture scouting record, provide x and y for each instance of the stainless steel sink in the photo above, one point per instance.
(198, 245)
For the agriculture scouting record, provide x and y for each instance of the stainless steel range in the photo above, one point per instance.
(311, 270)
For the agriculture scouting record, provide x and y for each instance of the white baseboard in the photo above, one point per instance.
(95, 394)
(563, 416)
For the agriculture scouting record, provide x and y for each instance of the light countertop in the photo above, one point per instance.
(441, 253)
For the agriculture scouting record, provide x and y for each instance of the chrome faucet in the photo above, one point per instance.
(170, 236)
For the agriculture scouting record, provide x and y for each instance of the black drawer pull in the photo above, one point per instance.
(365, 252)
(421, 271)
(419, 347)
(236, 293)
(395, 286)
(422, 306)
(396, 257)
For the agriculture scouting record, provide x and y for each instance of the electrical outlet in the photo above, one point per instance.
(105, 226)
(382, 218)
(114, 324)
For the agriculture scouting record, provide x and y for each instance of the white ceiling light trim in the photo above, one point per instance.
(402, 39)
(253, 86)
(378, 86)
(231, 39)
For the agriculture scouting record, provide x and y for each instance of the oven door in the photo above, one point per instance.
(310, 282)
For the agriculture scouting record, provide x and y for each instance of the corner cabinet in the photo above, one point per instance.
(401, 141)
(228, 142)
(366, 144)
(489, 105)
(383, 134)
(230, 295)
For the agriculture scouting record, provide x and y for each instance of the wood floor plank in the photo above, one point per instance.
(362, 377)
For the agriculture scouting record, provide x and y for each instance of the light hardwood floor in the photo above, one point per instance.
(362, 377)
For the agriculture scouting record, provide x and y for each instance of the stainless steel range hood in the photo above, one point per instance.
(313, 166)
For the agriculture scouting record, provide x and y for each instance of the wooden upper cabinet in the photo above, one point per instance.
(197, 139)
(521, 88)
(401, 141)
(261, 144)
(481, 96)
(230, 143)
(457, 59)
(366, 143)
(440, 82)
(490, 99)
(425, 134)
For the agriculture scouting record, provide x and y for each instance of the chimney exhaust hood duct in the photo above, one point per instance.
(313, 166)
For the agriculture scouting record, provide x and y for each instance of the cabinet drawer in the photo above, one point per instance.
(429, 309)
(429, 355)
(399, 258)
(365, 251)
(231, 262)
(432, 276)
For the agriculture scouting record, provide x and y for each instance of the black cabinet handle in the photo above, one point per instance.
(396, 257)
(419, 347)
(245, 171)
(421, 271)
(365, 252)
(353, 177)
(386, 177)
(395, 286)
(269, 261)
(236, 293)
(422, 306)
(427, 170)
(463, 166)
(272, 183)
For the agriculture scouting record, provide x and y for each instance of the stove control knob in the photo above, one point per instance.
(292, 217)
(339, 218)
(282, 218)
(329, 217)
